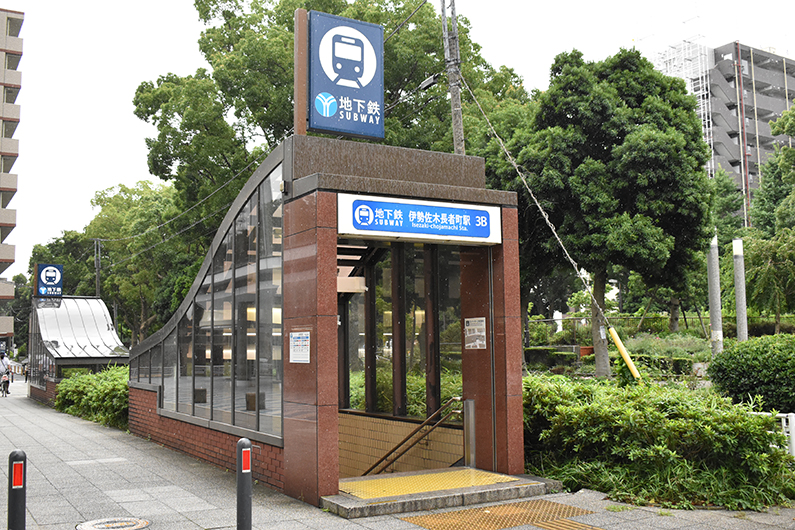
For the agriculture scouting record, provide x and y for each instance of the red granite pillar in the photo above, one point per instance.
(493, 374)
(311, 432)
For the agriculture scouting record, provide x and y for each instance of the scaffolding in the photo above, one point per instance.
(691, 62)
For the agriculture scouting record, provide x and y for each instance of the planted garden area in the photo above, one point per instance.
(672, 439)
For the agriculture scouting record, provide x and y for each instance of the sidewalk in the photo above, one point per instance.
(80, 472)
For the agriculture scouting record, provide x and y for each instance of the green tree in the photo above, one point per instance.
(786, 159)
(770, 273)
(216, 124)
(145, 252)
(617, 157)
(768, 197)
(727, 206)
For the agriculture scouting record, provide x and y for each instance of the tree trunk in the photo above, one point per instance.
(703, 326)
(598, 326)
(673, 312)
(778, 316)
(645, 310)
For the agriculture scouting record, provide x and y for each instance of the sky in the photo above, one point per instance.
(83, 59)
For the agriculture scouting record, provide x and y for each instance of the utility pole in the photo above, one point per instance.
(452, 59)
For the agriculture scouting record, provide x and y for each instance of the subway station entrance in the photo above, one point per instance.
(416, 320)
(328, 321)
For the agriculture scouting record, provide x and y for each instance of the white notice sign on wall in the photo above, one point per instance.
(299, 346)
(475, 329)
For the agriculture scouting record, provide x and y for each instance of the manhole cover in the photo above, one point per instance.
(127, 523)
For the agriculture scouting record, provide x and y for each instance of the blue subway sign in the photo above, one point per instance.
(346, 76)
(414, 220)
(49, 280)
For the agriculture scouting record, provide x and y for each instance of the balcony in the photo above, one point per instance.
(9, 146)
(6, 290)
(7, 253)
(8, 188)
(6, 326)
(8, 221)
(10, 110)
(12, 77)
(12, 44)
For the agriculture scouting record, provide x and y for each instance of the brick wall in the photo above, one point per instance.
(44, 396)
(215, 447)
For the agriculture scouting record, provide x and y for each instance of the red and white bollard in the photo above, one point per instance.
(244, 484)
(17, 486)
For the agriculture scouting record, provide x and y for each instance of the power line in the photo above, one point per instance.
(543, 212)
(404, 22)
(224, 185)
(147, 249)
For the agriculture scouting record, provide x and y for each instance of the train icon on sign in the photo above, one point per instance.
(364, 215)
(347, 57)
(50, 275)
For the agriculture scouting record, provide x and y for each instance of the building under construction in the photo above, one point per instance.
(740, 90)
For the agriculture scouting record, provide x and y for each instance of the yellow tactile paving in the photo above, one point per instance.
(422, 483)
(544, 514)
(564, 524)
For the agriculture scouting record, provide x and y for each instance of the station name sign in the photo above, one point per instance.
(414, 220)
(346, 76)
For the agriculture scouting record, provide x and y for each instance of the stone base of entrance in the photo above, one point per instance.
(430, 490)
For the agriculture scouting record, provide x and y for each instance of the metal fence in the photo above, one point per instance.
(577, 330)
(787, 427)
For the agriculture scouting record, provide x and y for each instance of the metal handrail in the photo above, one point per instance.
(425, 423)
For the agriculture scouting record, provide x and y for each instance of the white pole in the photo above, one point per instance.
(739, 290)
(715, 316)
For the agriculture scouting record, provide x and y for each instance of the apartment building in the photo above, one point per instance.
(740, 90)
(11, 52)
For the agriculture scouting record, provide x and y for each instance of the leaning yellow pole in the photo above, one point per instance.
(623, 351)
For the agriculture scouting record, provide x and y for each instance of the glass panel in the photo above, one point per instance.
(156, 368)
(356, 330)
(270, 304)
(143, 367)
(449, 314)
(203, 326)
(170, 371)
(133, 369)
(246, 399)
(185, 343)
(223, 324)
(383, 333)
(415, 331)
(450, 320)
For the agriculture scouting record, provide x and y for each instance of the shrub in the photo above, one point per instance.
(655, 444)
(537, 333)
(761, 366)
(451, 386)
(101, 397)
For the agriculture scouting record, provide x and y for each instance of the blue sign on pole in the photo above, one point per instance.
(346, 76)
(49, 281)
